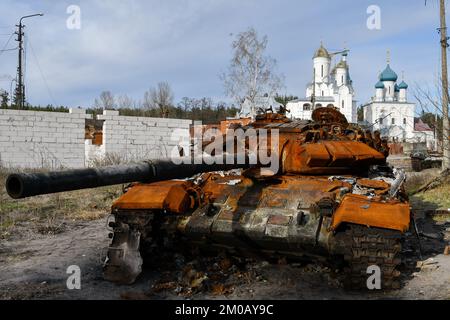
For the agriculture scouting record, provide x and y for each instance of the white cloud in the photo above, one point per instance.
(127, 46)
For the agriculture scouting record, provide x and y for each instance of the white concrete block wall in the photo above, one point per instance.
(53, 140)
(140, 138)
(93, 153)
(37, 139)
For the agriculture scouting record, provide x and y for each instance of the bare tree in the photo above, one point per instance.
(251, 73)
(105, 101)
(147, 101)
(125, 102)
(186, 104)
(429, 100)
(160, 98)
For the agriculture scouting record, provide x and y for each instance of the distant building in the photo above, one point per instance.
(390, 112)
(250, 109)
(423, 133)
(332, 87)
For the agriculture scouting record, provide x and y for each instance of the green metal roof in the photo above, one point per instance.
(379, 85)
(403, 85)
(388, 74)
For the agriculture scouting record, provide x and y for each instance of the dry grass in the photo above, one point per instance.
(416, 180)
(436, 198)
(49, 214)
(110, 159)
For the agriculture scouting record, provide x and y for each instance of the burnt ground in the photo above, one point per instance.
(33, 266)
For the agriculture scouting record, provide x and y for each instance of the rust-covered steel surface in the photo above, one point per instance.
(332, 197)
(166, 195)
(361, 210)
(332, 184)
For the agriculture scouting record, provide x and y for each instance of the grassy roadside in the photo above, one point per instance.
(49, 214)
(435, 198)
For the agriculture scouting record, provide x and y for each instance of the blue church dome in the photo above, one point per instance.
(403, 85)
(388, 74)
(379, 85)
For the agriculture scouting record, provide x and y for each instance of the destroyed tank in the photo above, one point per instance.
(331, 197)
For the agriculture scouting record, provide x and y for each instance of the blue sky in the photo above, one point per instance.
(129, 46)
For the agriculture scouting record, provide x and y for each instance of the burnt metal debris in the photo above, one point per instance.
(333, 197)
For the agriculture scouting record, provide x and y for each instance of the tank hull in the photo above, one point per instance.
(287, 216)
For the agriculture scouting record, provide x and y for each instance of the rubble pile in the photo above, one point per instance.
(216, 275)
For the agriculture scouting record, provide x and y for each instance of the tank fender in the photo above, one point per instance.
(174, 196)
(359, 209)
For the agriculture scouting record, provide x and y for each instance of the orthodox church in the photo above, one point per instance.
(390, 112)
(330, 87)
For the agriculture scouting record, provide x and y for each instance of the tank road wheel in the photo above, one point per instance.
(124, 262)
(368, 247)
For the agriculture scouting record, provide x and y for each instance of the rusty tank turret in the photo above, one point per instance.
(331, 195)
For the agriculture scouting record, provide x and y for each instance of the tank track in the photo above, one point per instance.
(130, 234)
(372, 246)
(361, 247)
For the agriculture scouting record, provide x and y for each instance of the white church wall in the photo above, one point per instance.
(326, 86)
(399, 115)
(341, 76)
(389, 90)
(379, 94)
(402, 95)
(297, 111)
(354, 112)
(321, 69)
(324, 91)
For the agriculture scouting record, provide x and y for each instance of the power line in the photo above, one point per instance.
(6, 44)
(11, 49)
(40, 70)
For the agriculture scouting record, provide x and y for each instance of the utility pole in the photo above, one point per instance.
(445, 98)
(20, 88)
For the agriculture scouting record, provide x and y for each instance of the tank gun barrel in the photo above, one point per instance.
(23, 185)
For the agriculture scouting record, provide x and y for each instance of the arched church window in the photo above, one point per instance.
(306, 107)
(323, 93)
(318, 105)
(343, 104)
(393, 120)
(322, 71)
(380, 121)
(404, 121)
(342, 79)
(330, 106)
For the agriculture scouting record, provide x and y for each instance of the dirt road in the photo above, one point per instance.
(36, 269)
